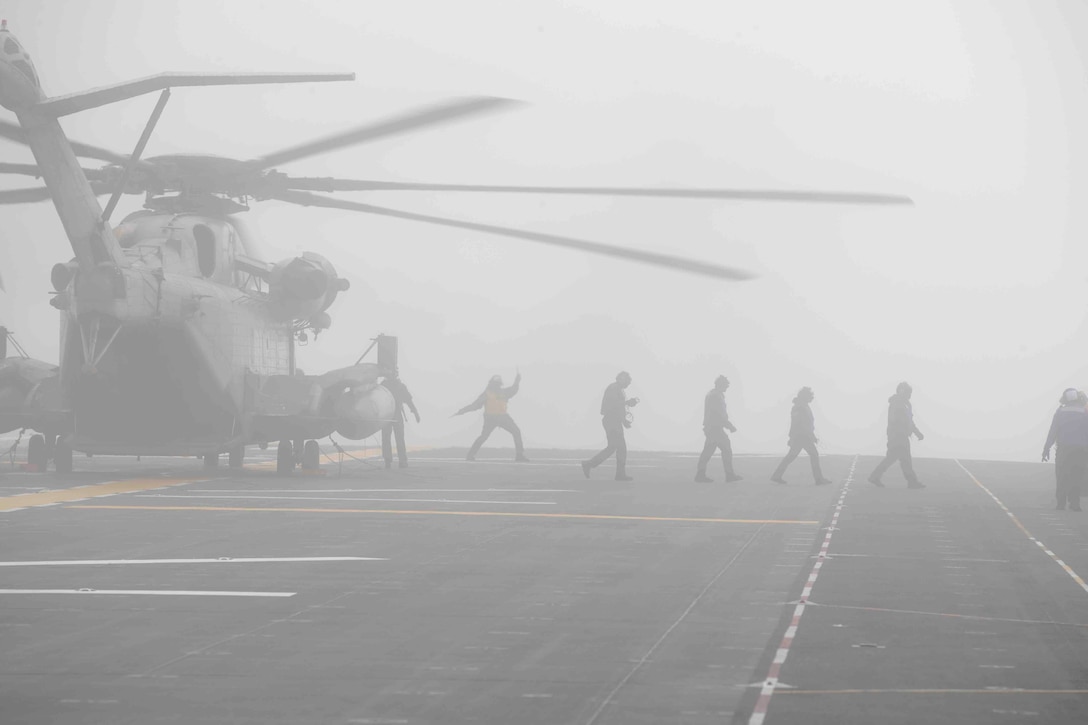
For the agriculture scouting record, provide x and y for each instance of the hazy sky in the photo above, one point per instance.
(976, 295)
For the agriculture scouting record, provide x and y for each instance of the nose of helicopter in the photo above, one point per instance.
(19, 87)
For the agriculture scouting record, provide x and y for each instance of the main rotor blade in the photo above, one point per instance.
(411, 121)
(24, 169)
(41, 193)
(23, 196)
(14, 132)
(33, 170)
(653, 258)
(824, 197)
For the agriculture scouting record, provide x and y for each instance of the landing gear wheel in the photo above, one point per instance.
(311, 456)
(62, 456)
(285, 458)
(299, 447)
(211, 460)
(35, 453)
(236, 456)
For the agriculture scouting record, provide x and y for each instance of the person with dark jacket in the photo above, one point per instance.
(715, 423)
(493, 400)
(1069, 430)
(401, 398)
(900, 428)
(802, 438)
(614, 405)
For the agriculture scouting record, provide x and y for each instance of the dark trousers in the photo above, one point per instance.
(491, 422)
(388, 431)
(808, 447)
(1070, 468)
(617, 443)
(897, 451)
(717, 438)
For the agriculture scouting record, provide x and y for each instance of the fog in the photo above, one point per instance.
(975, 295)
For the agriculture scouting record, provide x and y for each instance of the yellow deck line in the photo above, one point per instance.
(405, 512)
(951, 691)
(78, 493)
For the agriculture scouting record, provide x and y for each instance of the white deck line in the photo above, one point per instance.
(220, 560)
(352, 498)
(149, 592)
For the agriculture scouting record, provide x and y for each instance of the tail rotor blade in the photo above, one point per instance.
(667, 261)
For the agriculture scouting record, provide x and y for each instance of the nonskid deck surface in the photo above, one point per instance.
(456, 592)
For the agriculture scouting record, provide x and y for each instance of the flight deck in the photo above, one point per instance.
(498, 592)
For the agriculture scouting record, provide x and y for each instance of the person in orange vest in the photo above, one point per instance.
(493, 400)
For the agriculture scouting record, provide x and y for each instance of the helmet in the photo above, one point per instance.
(1069, 396)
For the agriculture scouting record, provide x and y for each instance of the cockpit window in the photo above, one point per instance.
(11, 47)
(26, 70)
(205, 249)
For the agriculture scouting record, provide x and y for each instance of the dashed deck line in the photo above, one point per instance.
(1054, 557)
(771, 682)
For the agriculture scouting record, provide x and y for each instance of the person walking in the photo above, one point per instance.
(715, 423)
(614, 405)
(401, 398)
(1069, 430)
(900, 428)
(802, 438)
(494, 401)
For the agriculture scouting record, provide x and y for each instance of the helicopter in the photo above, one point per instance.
(176, 338)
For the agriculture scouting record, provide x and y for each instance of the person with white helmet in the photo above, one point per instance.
(494, 402)
(900, 428)
(1069, 430)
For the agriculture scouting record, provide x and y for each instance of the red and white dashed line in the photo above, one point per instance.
(770, 682)
(1068, 570)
